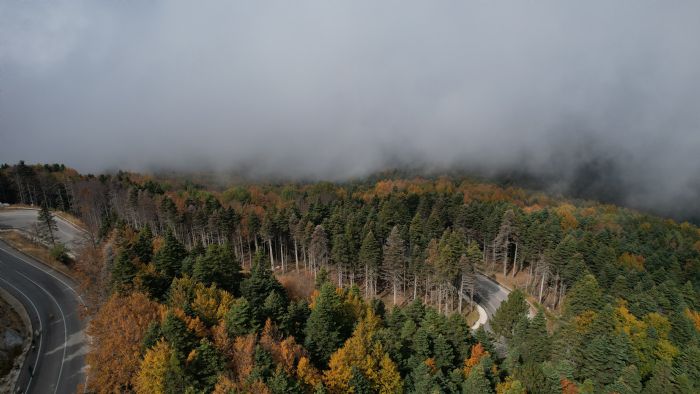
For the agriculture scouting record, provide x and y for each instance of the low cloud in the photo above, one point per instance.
(597, 98)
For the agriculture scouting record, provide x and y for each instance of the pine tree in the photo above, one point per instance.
(358, 382)
(661, 380)
(123, 271)
(240, 319)
(370, 258)
(143, 247)
(509, 313)
(467, 264)
(180, 338)
(629, 382)
(422, 380)
(205, 365)
(318, 249)
(258, 287)
(444, 354)
(323, 329)
(394, 260)
(169, 258)
(341, 255)
(218, 266)
(46, 225)
(584, 295)
(477, 383)
(537, 339)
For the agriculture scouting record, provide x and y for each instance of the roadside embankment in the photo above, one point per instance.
(15, 334)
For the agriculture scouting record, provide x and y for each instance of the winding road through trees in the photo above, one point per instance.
(57, 361)
(55, 364)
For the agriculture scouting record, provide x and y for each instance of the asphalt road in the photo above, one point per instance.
(26, 219)
(56, 362)
(489, 294)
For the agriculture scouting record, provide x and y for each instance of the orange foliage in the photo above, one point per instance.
(632, 261)
(225, 385)
(117, 331)
(221, 340)
(314, 295)
(568, 387)
(430, 362)
(242, 361)
(568, 220)
(444, 185)
(307, 373)
(158, 242)
(284, 352)
(193, 324)
(695, 317)
(477, 353)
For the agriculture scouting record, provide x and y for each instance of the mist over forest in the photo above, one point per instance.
(597, 100)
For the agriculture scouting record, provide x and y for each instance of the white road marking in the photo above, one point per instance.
(41, 336)
(46, 272)
(65, 329)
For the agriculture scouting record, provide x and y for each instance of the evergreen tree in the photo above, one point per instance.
(205, 366)
(585, 295)
(476, 382)
(359, 383)
(218, 266)
(422, 381)
(629, 382)
(240, 319)
(370, 258)
(394, 260)
(143, 247)
(46, 225)
(169, 258)
(324, 331)
(444, 354)
(258, 287)
(509, 313)
(661, 380)
(123, 271)
(177, 335)
(537, 340)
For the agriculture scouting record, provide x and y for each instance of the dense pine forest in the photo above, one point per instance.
(366, 286)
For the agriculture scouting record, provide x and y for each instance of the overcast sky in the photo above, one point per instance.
(604, 91)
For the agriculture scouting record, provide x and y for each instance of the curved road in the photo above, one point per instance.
(56, 361)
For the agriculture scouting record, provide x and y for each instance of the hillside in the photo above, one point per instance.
(182, 281)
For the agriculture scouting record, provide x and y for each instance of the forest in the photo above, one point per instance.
(188, 286)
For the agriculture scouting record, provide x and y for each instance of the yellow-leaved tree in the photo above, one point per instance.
(154, 367)
(365, 353)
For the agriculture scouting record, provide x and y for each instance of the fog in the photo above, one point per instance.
(598, 98)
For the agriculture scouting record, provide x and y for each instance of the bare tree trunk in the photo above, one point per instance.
(461, 291)
(272, 258)
(296, 255)
(493, 255)
(505, 259)
(415, 286)
(515, 259)
(366, 281)
(542, 286)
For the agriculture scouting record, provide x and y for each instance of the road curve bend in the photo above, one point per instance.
(56, 361)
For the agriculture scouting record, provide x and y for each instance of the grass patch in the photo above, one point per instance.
(298, 285)
(472, 317)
